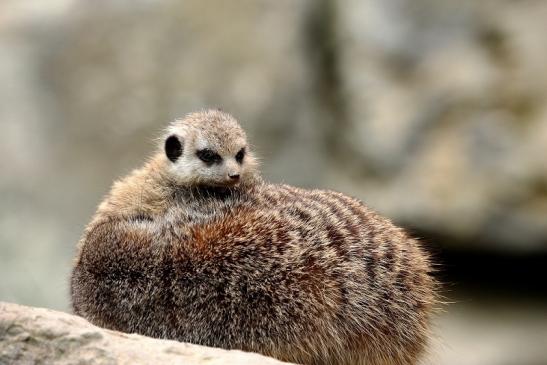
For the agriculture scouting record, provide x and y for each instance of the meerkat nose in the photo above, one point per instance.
(234, 177)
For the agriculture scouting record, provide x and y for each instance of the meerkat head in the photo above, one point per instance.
(209, 148)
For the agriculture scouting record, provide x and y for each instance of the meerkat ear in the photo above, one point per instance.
(173, 148)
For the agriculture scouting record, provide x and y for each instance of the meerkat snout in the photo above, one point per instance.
(232, 171)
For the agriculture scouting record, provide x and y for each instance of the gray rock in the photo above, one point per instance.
(42, 336)
(447, 116)
(86, 87)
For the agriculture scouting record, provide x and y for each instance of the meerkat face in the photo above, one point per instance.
(209, 148)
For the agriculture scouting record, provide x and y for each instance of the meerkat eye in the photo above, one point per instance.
(208, 156)
(173, 148)
(240, 155)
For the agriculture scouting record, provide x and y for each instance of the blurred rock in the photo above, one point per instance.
(447, 116)
(118, 73)
(42, 336)
(86, 87)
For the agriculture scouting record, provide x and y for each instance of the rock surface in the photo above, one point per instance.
(42, 336)
(445, 112)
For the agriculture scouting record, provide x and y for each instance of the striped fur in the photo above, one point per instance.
(308, 276)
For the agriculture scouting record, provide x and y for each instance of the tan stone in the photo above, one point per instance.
(36, 335)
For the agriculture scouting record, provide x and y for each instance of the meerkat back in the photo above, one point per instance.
(196, 247)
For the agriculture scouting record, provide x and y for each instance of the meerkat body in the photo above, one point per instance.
(307, 276)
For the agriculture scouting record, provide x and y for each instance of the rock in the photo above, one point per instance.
(446, 116)
(87, 87)
(35, 335)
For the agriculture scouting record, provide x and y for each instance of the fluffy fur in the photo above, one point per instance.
(178, 250)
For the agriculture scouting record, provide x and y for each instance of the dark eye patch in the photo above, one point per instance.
(173, 148)
(240, 155)
(208, 156)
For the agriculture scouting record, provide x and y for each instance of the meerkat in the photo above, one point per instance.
(195, 246)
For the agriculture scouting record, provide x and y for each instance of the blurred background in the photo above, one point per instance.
(433, 112)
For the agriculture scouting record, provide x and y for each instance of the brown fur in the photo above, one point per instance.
(307, 276)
